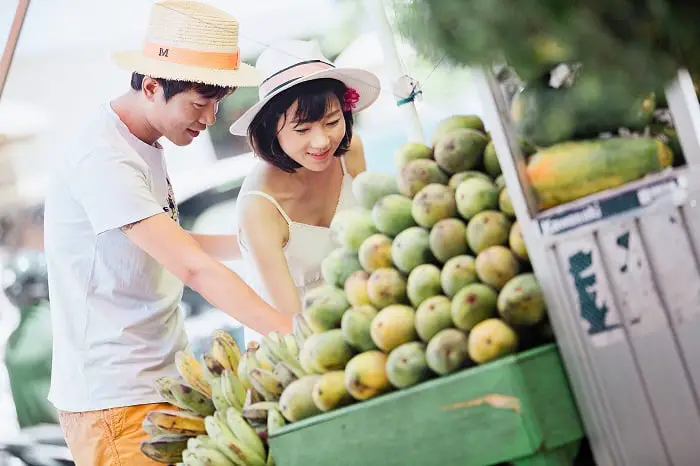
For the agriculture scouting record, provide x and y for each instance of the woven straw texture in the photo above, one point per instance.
(192, 26)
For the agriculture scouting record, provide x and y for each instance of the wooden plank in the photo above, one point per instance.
(484, 415)
(598, 317)
(687, 333)
(9, 50)
(574, 348)
(676, 270)
(651, 338)
(609, 351)
(555, 430)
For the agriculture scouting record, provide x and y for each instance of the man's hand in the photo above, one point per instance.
(220, 247)
(182, 255)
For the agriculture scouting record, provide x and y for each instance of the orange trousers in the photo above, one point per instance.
(109, 437)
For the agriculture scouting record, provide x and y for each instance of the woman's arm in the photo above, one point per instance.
(263, 232)
(355, 157)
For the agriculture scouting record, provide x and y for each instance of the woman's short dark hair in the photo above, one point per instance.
(313, 98)
(172, 87)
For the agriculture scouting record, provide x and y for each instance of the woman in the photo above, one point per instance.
(302, 131)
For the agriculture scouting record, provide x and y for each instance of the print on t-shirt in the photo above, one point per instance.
(171, 208)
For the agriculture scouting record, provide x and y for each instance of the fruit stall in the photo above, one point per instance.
(611, 228)
(428, 342)
(526, 282)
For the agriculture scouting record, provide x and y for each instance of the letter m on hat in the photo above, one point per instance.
(163, 52)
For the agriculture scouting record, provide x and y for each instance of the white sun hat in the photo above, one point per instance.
(191, 41)
(290, 62)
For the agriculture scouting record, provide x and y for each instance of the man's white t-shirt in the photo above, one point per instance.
(116, 318)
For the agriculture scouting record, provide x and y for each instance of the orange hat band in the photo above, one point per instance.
(180, 56)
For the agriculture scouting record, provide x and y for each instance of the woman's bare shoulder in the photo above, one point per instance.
(355, 157)
(257, 208)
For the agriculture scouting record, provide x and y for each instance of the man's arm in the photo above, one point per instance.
(179, 253)
(113, 189)
(220, 247)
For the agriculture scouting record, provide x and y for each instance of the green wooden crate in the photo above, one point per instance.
(518, 409)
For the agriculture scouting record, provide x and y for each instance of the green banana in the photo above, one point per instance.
(266, 383)
(272, 345)
(192, 399)
(219, 434)
(190, 459)
(233, 389)
(266, 357)
(210, 456)
(244, 432)
(247, 363)
(301, 329)
(165, 449)
(258, 412)
(278, 348)
(227, 387)
(284, 374)
(162, 386)
(275, 420)
(293, 363)
(292, 346)
(235, 449)
(208, 451)
(218, 394)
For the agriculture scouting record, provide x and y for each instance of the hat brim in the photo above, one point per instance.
(244, 76)
(365, 83)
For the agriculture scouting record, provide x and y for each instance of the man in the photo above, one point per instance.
(117, 258)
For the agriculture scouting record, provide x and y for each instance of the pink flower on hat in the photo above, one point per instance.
(350, 99)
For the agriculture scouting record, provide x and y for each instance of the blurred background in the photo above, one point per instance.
(61, 70)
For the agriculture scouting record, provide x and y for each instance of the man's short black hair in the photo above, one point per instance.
(313, 98)
(172, 87)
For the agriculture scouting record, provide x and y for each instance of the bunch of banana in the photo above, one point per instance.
(175, 422)
(170, 431)
(191, 370)
(257, 414)
(201, 390)
(228, 402)
(267, 368)
(302, 330)
(166, 448)
(223, 354)
(230, 440)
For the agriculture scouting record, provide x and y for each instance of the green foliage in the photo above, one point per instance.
(647, 41)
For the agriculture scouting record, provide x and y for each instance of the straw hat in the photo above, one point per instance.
(191, 41)
(291, 62)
